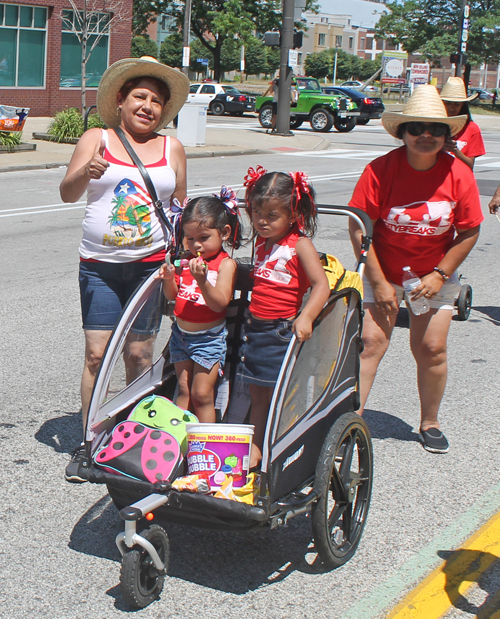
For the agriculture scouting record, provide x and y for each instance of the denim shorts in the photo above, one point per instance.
(264, 346)
(206, 348)
(106, 287)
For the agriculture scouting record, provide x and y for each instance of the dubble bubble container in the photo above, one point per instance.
(221, 449)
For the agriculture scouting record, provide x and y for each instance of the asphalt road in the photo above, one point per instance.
(58, 558)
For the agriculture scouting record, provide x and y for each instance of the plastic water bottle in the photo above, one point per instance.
(410, 282)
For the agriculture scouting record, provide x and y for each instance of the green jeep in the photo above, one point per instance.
(320, 110)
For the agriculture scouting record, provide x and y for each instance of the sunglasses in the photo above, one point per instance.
(437, 130)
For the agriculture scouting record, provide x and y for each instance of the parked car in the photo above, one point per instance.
(221, 98)
(368, 106)
(404, 88)
(321, 111)
(484, 95)
(357, 85)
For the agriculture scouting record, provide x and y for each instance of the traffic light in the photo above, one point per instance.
(298, 36)
(272, 38)
(458, 58)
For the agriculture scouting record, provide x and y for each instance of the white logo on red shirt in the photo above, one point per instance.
(190, 292)
(421, 218)
(277, 272)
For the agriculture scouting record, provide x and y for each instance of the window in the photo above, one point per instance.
(23, 32)
(351, 42)
(338, 41)
(208, 90)
(71, 50)
(322, 39)
(362, 43)
(193, 88)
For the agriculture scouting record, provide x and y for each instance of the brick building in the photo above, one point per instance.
(40, 56)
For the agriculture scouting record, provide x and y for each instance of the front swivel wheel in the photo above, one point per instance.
(141, 582)
(343, 481)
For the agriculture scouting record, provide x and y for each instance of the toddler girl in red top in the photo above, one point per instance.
(202, 286)
(468, 143)
(286, 264)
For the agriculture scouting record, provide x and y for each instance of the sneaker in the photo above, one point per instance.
(434, 441)
(76, 469)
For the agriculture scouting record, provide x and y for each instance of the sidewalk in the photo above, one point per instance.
(219, 143)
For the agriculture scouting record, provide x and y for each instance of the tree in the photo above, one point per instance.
(431, 27)
(146, 12)
(96, 19)
(143, 46)
(255, 56)
(349, 66)
(171, 50)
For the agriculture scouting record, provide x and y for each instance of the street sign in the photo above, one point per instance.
(186, 52)
(393, 67)
(419, 73)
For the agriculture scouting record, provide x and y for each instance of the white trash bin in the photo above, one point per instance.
(192, 125)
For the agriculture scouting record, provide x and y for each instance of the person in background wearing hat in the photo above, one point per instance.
(123, 238)
(425, 208)
(468, 143)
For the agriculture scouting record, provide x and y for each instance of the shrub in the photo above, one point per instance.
(66, 124)
(10, 139)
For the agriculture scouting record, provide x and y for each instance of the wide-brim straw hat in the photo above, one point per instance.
(128, 69)
(423, 106)
(454, 90)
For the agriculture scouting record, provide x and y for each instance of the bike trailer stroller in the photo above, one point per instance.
(317, 453)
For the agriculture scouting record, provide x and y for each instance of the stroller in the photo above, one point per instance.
(317, 452)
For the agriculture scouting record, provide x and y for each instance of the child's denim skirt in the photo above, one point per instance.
(205, 348)
(264, 346)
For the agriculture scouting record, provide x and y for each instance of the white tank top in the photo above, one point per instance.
(120, 223)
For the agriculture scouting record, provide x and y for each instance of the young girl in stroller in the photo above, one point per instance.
(283, 215)
(202, 285)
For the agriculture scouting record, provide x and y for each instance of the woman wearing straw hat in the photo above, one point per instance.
(468, 143)
(124, 239)
(426, 213)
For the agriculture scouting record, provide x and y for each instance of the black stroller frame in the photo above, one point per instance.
(317, 454)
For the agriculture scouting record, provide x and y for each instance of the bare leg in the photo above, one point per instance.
(202, 392)
(260, 403)
(428, 335)
(377, 331)
(95, 343)
(138, 355)
(184, 371)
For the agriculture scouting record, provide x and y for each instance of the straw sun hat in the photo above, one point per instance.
(424, 106)
(454, 90)
(128, 69)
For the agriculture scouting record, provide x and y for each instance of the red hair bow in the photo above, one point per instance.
(251, 178)
(300, 187)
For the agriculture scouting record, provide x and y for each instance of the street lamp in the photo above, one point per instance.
(335, 63)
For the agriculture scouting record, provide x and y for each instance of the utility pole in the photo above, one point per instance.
(463, 36)
(285, 84)
(186, 30)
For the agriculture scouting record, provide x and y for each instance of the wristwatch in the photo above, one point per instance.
(442, 273)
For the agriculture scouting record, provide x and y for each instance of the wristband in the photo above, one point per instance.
(442, 273)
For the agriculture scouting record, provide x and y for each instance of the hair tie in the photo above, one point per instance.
(251, 178)
(300, 188)
(228, 197)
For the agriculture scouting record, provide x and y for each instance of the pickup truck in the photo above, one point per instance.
(322, 111)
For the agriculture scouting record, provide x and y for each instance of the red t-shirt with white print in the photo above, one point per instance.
(470, 141)
(416, 212)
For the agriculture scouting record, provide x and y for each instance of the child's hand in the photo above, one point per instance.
(198, 269)
(166, 272)
(302, 327)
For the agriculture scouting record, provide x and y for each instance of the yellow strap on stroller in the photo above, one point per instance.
(338, 277)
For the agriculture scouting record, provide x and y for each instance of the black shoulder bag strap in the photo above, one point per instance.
(147, 180)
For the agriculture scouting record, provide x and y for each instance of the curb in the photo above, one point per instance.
(324, 144)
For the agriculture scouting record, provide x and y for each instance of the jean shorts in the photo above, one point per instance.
(264, 346)
(206, 348)
(105, 289)
(444, 300)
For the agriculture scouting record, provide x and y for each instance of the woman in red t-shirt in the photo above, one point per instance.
(425, 208)
(468, 143)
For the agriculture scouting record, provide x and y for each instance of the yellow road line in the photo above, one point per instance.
(438, 592)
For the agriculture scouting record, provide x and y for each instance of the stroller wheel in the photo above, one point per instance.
(343, 481)
(141, 582)
(464, 302)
